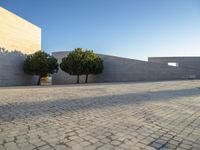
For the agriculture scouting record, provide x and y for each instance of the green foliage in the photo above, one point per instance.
(92, 64)
(80, 62)
(88, 61)
(72, 64)
(98, 66)
(41, 64)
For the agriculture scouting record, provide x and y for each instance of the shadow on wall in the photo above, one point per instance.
(7, 53)
(54, 107)
(11, 69)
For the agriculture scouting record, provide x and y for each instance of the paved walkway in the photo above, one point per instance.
(130, 116)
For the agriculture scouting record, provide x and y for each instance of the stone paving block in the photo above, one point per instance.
(156, 145)
(127, 116)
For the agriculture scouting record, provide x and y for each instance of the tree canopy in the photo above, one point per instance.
(92, 64)
(41, 64)
(80, 62)
(72, 64)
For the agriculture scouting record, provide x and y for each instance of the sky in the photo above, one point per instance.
(126, 28)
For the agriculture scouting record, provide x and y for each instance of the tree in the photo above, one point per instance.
(92, 64)
(80, 62)
(72, 64)
(98, 65)
(41, 64)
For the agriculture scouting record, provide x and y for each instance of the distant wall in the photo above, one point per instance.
(191, 65)
(11, 70)
(118, 69)
(18, 34)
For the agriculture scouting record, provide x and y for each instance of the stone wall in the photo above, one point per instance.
(190, 64)
(11, 70)
(18, 34)
(117, 69)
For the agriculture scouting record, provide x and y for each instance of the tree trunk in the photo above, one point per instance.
(86, 78)
(78, 78)
(38, 83)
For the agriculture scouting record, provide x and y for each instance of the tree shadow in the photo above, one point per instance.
(13, 111)
(11, 68)
(8, 53)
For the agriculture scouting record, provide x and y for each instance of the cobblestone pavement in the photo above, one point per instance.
(130, 116)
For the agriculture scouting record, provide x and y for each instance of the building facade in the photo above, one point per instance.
(21, 35)
(18, 37)
(117, 69)
(18, 34)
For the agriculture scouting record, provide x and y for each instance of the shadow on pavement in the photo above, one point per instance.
(51, 107)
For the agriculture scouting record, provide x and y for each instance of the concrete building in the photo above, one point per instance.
(18, 34)
(21, 35)
(117, 69)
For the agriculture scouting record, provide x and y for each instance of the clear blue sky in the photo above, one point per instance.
(127, 28)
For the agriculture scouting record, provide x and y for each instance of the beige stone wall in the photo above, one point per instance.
(18, 34)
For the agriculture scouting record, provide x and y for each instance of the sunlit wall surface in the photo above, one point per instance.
(18, 34)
